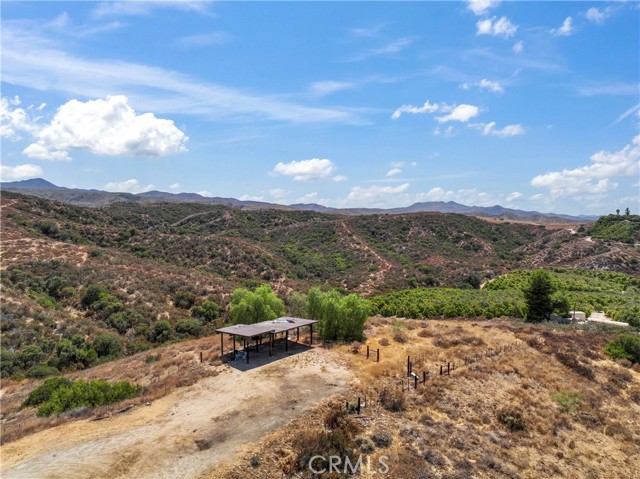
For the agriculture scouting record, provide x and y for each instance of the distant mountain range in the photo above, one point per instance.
(95, 198)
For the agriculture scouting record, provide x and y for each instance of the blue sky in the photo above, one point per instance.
(371, 104)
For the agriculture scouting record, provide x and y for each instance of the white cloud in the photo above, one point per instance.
(394, 171)
(537, 197)
(509, 130)
(447, 132)
(634, 109)
(596, 177)
(205, 39)
(501, 27)
(105, 127)
(480, 7)
(462, 113)
(324, 88)
(278, 193)
(31, 59)
(305, 170)
(137, 8)
(19, 172)
(565, 29)
(390, 48)
(374, 195)
(251, 198)
(518, 47)
(426, 108)
(206, 193)
(513, 196)
(492, 86)
(339, 178)
(598, 16)
(308, 198)
(174, 186)
(14, 120)
(127, 186)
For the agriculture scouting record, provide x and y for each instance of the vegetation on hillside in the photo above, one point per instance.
(624, 228)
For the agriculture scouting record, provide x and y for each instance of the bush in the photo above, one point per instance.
(400, 337)
(86, 394)
(91, 294)
(191, 327)
(121, 321)
(44, 392)
(107, 345)
(624, 346)
(381, 438)
(41, 371)
(513, 420)
(392, 399)
(207, 312)
(161, 332)
(184, 299)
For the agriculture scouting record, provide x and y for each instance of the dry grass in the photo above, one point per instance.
(158, 371)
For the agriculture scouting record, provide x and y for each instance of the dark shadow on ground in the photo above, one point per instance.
(262, 358)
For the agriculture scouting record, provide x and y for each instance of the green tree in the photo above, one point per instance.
(538, 297)
(340, 317)
(107, 345)
(207, 312)
(297, 305)
(190, 327)
(625, 346)
(250, 307)
(627, 212)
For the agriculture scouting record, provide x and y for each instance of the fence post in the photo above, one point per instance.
(424, 377)
(200, 356)
(378, 355)
(367, 351)
(448, 369)
(358, 405)
(441, 370)
(408, 365)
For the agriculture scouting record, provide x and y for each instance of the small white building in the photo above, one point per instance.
(578, 315)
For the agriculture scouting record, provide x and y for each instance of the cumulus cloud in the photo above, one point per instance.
(596, 177)
(278, 193)
(394, 171)
(19, 172)
(598, 16)
(426, 108)
(251, 198)
(127, 186)
(502, 27)
(480, 7)
(462, 113)
(15, 120)
(489, 129)
(324, 88)
(174, 186)
(513, 196)
(518, 47)
(306, 170)
(106, 127)
(446, 132)
(339, 178)
(565, 29)
(206, 193)
(308, 198)
(375, 194)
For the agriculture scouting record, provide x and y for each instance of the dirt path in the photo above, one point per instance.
(375, 278)
(185, 433)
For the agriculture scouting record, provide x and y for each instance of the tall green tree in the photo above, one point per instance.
(250, 307)
(341, 317)
(538, 297)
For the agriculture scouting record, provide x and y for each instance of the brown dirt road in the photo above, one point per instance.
(187, 432)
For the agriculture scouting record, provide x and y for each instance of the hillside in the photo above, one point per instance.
(150, 264)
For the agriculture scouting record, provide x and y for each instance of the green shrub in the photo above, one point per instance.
(208, 311)
(91, 294)
(107, 345)
(624, 346)
(86, 394)
(191, 327)
(184, 299)
(161, 332)
(44, 392)
(41, 371)
(567, 400)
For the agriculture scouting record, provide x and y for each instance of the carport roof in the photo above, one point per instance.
(279, 325)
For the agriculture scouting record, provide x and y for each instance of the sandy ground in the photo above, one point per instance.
(187, 432)
(601, 318)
